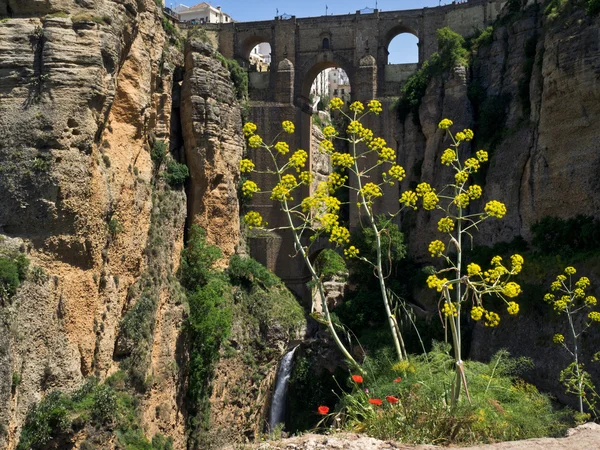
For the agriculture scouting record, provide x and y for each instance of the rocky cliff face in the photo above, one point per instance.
(77, 82)
(535, 84)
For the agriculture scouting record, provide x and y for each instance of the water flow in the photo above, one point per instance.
(277, 413)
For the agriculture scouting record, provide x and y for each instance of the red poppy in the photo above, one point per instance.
(323, 410)
(375, 401)
(391, 399)
(398, 380)
(357, 378)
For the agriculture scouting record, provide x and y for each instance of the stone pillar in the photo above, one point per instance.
(365, 79)
(284, 82)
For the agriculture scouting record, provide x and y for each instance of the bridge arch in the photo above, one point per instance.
(316, 66)
(252, 41)
(395, 31)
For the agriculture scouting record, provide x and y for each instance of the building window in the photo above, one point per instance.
(325, 44)
(335, 92)
(343, 91)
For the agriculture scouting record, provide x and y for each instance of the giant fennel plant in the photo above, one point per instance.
(318, 213)
(460, 288)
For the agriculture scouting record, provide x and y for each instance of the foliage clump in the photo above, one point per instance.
(176, 174)
(105, 406)
(13, 271)
(452, 52)
(406, 401)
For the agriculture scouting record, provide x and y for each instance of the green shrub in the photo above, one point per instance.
(249, 272)
(593, 7)
(114, 227)
(486, 37)
(176, 174)
(105, 405)
(552, 235)
(158, 152)
(197, 260)
(13, 271)
(16, 380)
(45, 421)
(329, 264)
(238, 76)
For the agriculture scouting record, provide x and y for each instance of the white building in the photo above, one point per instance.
(202, 13)
(332, 83)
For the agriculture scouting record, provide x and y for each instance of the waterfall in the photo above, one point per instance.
(277, 413)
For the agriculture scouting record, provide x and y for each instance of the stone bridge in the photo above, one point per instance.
(300, 50)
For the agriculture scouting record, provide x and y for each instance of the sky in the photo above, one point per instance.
(402, 49)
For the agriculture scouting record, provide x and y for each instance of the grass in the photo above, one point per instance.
(415, 396)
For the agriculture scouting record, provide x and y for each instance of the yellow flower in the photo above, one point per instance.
(328, 221)
(254, 219)
(351, 252)
(461, 177)
(594, 316)
(462, 200)
(446, 225)
(495, 209)
(423, 188)
(448, 157)
(555, 286)
(282, 190)
(449, 309)
(375, 106)
(460, 136)
(570, 270)
(335, 181)
(513, 308)
(433, 282)
(496, 260)
(387, 154)
(306, 177)
(366, 134)
(397, 172)
(255, 141)
(377, 144)
(590, 300)
(326, 146)
(558, 338)
(336, 103)
(355, 127)
(409, 198)
(298, 159)
(249, 188)
(357, 107)
(332, 204)
(562, 303)
(282, 148)
(436, 248)
(472, 165)
(517, 263)
(474, 192)
(477, 313)
(482, 155)
(249, 129)
(371, 191)
(578, 293)
(339, 235)
(468, 134)
(288, 126)
(430, 201)
(549, 298)
(492, 319)
(473, 269)
(246, 165)
(329, 131)
(583, 283)
(561, 278)
(445, 124)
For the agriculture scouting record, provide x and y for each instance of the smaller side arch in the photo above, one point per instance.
(250, 42)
